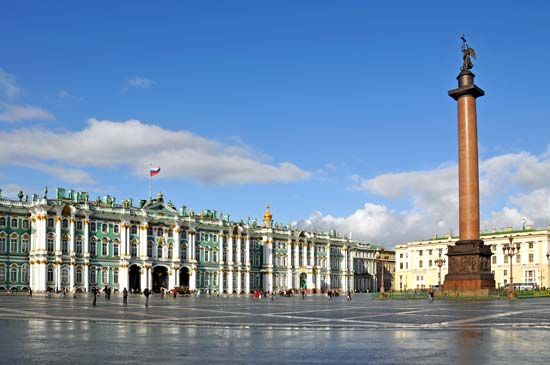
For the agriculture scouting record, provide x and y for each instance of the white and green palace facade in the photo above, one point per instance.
(73, 243)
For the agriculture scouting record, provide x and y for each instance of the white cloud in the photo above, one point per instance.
(138, 82)
(64, 94)
(431, 199)
(8, 85)
(18, 113)
(11, 190)
(181, 154)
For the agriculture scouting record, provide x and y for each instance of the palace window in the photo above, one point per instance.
(198, 253)
(105, 248)
(206, 254)
(93, 275)
(150, 249)
(13, 244)
(105, 228)
(134, 250)
(65, 224)
(505, 259)
(79, 245)
(79, 276)
(25, 224)
(170, 233)
(215, 256)
(25, 244)
(420, 264)
(2, 244)
(170, 251)
(105, 277)
(530, 244)
(531, 257)
(133, 229)
(13, 222)
(65, 276)
(116, 228)
(430, 263)
(13, 274)
(183, 252)
(420, 253)
(2, 221)
(401, 265)
(50, 223)
(150, 231)
(494, 259)
(429, 252)
(25, 274)
(505, 272)
(518, 259)
(159, 251)
(65, 245)
(93, 227)
(50, 245)
(115, 277)
(2, 274)
(93, 246)
(116, 249)
(50, 274)
(79, 225)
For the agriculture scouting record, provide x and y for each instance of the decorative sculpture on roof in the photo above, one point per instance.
(46, 192)
(20, 195)
(467, 52)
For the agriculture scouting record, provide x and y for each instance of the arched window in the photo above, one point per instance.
(2, 243)
(50, 274)
(13, 243)
(150, 231)
(92, 227)
(105, 248)
(79, 225)
(78, 245)
(25, 224)
(170, 251)
(215, 256)
(183, 252)
(65, 245)
(207, 254)
(50, 244)
(25, 244)
(105, 276)
(25, 274)
(134, 250)
(13, 274)
(14, 222)
(116, 249)
(93, 246)
(116, 228)
(133, 230)
(93, 275)
(160, 232)
(50, 223)
(115, 277)
(2, 221)
(105, 227)
(159, 250)
(79, 275)
(150, 249)
(65, 224)
(2, 274)
(65, 276)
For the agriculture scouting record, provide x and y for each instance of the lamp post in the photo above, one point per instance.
(548, 264)
(511, 250)
(439, 262)
(382, 258)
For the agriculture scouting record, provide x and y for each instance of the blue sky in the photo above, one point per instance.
(336, 113)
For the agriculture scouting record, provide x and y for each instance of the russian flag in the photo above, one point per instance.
(154, 171)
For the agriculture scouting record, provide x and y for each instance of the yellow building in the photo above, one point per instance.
(423, 264)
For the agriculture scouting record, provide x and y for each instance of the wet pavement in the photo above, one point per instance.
(286, 330)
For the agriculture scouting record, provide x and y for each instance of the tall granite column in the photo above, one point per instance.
(469, 259)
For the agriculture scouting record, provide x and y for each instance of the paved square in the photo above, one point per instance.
(285, 330)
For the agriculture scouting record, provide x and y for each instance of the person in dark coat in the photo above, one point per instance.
(146, 292)
(125, 297)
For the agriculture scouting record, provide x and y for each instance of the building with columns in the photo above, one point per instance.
(74, 243)
(417, 262)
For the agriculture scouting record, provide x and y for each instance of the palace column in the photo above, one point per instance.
(143, 246)
(247, 264)
(229, 264)
(176, 245)
(86, 248)
(58, 236)
(190, 245)
(123, 239)
(238, 251)
(86, 277)
(289, 264)
(220, 262)
(469, 259)
(71, 237)
(71, 276)
(328, 267)
(193, 278)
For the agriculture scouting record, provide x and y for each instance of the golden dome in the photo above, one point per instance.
(268, 217)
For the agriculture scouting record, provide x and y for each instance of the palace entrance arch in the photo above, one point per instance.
(160, 278)
(303, 280)
(184, 276)
(134, 277)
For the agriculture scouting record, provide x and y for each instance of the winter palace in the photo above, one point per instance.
(423, 264)
(74, 243)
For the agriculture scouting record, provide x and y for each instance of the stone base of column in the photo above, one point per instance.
(469, 269)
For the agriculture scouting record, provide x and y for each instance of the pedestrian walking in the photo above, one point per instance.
(30, 292)
(125, 297)
(303, 294)
(146, 292)
(94, 293)
(349, 295)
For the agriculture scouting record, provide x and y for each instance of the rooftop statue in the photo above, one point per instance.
(467, 52)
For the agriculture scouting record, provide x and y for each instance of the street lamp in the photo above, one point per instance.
(511, 250)
(382, 258)
(439, 262)
(547, 263)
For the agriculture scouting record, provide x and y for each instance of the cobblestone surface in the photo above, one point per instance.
(286, 330)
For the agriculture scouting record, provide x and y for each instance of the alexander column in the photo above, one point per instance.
(469, 259)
